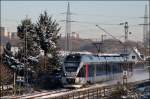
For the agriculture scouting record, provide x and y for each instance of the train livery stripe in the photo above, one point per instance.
(86, 72)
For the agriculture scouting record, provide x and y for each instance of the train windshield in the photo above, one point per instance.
(72, 63)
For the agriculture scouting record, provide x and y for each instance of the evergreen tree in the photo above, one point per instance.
(27, 33)
(7, 54)
(10, 60)
(47, 30)
(29, 50)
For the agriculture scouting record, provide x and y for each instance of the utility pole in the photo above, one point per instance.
(126, 39)
(68, 29)
(68, 41)
(125, 74)
(145, 28)
(146, 38)
(99, 44)
(102, 40)
(126, 27)
(125, 52)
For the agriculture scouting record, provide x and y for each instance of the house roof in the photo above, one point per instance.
(137, 53)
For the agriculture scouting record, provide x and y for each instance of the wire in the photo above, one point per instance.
(109, 34)
(86, 22)
(112, 24)
(100, 15)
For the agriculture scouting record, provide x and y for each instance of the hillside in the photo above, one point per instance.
(108, 46)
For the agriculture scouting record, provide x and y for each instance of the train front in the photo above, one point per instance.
(71, 65)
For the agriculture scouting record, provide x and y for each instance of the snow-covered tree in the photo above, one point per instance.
(10, 60)
(34, 37)
(27, 33)
(7, 54)
(47, 30)
(29, 49)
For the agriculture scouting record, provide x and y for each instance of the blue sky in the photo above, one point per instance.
(86, 13)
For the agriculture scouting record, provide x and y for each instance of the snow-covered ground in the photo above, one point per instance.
(138, 74)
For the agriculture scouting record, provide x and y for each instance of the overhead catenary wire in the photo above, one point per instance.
(93, 23)
(109, 34)
(100, 15)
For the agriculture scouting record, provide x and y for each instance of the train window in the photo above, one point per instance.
(91, 57)
(108, 68)
(71, 64)
(71, 69)
(117, 67)
(120, 67)
(91, 70)
(73, 57)
(100, 69)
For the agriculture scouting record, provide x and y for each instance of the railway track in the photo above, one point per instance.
(96, 90)
(91, 92)
(44, 94)
(36, 95)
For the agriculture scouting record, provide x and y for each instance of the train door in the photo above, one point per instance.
(82, 74)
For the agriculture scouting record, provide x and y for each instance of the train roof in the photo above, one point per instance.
(95, 58)
(115, 57)
(102, 58)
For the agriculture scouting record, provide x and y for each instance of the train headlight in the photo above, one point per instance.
(65, 74)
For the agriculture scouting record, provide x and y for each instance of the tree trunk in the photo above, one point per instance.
(45, 67)
(14, 83)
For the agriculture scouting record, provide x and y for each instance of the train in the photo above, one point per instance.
(81, 69)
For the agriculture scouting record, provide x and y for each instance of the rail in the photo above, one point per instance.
(89, 93)
(92, 92)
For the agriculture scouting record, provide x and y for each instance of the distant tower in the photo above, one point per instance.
(146, 34)
(68, 29)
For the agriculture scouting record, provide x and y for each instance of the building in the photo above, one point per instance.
(135, 55)
(5, 37)
(1, 49)
(14, 35)
(5, 33)
(75, 35)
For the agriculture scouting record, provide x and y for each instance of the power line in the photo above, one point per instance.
(111, 24)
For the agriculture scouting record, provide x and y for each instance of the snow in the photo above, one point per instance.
(95, 58)
(14, 50)
(49, 55)
(136, 50)
(42, 52)
(103, 57)
(31, 58)
(139, 74)
(108, 54)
